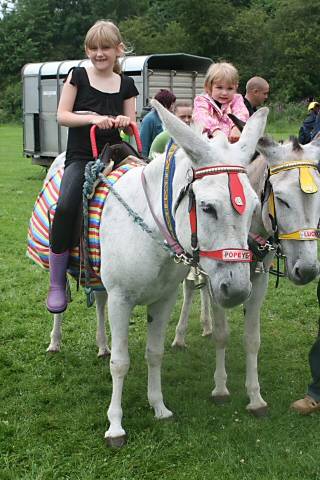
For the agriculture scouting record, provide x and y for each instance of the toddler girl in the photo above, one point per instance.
(220, 98)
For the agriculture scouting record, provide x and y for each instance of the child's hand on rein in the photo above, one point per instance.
(234, 134)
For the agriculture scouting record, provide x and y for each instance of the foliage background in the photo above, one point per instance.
(277, 39)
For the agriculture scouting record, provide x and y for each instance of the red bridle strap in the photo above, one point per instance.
(224, 255)
(237, 195)
(228, 255)
(193, 220)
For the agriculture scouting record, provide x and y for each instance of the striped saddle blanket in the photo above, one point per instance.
(42, 217)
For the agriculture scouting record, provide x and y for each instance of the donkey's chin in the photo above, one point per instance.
(229, 295)
(302, 273)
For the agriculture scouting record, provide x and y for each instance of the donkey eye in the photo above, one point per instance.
(283, 202)
(210, 209)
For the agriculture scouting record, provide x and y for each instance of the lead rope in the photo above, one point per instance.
(136, 217)
(93, 173)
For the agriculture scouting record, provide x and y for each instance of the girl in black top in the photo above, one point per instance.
(95, 95)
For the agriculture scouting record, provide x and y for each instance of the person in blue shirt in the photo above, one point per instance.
(151, 124)
(308, 127)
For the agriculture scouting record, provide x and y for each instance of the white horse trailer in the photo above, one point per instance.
(44, 139)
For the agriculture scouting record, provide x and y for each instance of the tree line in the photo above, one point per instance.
(276, 39)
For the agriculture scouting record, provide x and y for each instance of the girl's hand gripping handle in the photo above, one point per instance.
(93, 139)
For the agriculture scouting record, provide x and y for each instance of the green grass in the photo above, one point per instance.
(53, 407)
(285, 119)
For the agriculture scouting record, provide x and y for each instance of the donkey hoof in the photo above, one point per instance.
(220, 399)
(104, 354)
(207, 333)
(53, 349)
(116, 442)
(179, 345)
(260, 412)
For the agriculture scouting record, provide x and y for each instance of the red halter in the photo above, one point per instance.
(238, 201)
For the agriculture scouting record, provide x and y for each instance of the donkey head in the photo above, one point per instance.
(222, 200)
(293, 206)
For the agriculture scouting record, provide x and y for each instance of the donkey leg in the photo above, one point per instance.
(158, 316)
(56, 333)
(118, 312)
(220, 393)
(205, 318)
(101, 337)
(257, 405)
(182, 325)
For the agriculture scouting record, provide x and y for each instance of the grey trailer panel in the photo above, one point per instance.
(31, 97)
(185, 85)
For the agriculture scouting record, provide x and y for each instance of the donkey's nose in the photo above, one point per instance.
(225, 288)
(303, 274)
(232, 295)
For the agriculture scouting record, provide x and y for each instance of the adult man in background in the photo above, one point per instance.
(257, 92)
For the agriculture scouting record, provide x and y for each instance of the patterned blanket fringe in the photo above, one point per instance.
(38, 232)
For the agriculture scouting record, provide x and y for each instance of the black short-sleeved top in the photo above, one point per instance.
(90, 99)
(250, 108)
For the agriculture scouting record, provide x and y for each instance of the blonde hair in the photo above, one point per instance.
(182, 103)
(221, 71)
(105, 33)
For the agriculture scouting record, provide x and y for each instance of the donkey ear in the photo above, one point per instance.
(252, 131)
(267, 146)
(195, 147)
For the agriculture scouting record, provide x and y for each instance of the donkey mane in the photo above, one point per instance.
(295, 143)
(257, 173)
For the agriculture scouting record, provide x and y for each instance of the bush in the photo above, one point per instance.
(11, 103)
(285, 119)
(287, 112)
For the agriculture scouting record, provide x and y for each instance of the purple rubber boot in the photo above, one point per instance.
(57, 298)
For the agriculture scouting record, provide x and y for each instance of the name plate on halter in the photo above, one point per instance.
(234, 255)
(229, 255)
(307, 234)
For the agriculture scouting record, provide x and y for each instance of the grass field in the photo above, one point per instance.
(53, 409)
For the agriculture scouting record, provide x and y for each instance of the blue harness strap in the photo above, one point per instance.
(167, 179)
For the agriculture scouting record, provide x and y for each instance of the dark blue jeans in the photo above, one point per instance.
(314, 362)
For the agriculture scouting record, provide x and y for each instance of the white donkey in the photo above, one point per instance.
(136, 268)
(290, 213)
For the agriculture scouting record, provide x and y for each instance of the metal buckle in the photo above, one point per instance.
(260, 268)
(182, 258)
(267, 246)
